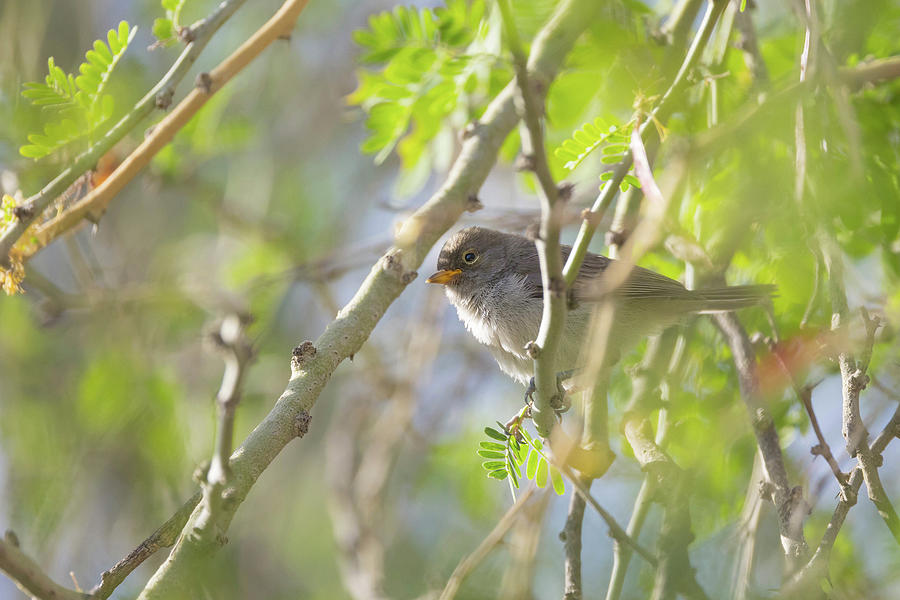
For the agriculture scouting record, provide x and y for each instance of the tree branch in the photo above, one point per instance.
(788, 501)
(571, 538)
(615, 530)
(163, 537)
(544, 348)
(237, 353)
(159, 96)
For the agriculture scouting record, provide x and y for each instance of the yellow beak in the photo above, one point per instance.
(444, 277)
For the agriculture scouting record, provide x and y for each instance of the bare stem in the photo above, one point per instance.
(468, 564)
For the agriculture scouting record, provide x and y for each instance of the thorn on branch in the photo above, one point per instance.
(557, 286)
(11, 538)
(204, 83)
(302, 354)
(525, 162)
(163, 101)
(199, 474)
(616, 237)
(470, 130)
(24, 212)
(186, 34)
(767, 490)
(473, 204)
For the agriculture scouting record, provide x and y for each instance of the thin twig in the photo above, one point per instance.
(163, 537)
(660, 113)
(468, 564)
(159, 96)
(615, 530)
(804, 394)
(28, 575)
(236, 351)
(749, 45)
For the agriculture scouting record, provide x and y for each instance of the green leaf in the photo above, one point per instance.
(556, 478)
(493, 433)
(163, 29)
(540, 478)
(533, 459)
(101, 61)
(493, 465)
(499, 474)
(491, 454)
(492, 446)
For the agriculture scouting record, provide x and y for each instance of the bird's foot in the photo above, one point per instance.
(560, 402)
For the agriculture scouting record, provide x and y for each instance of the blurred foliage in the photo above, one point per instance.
(263, 202)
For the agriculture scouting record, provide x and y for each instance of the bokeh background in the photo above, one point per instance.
(266, 204)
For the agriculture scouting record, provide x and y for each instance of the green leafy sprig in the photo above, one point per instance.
(612, 140)
(509, 449)
(77, 106)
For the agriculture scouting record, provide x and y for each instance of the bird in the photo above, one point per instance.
(493, 279)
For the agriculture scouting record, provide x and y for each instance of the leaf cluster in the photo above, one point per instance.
(424, 66)
(77, 106)
(513, 448)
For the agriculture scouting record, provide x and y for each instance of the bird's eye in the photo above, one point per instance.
(469, 257)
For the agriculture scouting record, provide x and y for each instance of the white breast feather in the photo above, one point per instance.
(505, 337)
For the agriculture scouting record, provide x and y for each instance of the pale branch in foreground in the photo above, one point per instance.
(544, 347)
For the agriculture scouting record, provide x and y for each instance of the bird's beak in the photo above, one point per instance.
(444, 277)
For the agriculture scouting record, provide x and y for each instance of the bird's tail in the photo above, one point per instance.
(725, 299)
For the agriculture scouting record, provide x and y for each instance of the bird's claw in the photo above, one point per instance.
(560, 402)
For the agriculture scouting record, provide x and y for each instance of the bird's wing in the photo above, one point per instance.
(641, 283)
